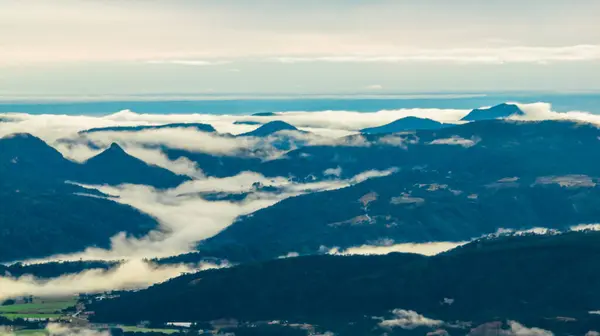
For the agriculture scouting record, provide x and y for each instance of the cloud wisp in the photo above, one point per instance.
(428, 249)
(132, 274)
(408, 319)
(498, 55)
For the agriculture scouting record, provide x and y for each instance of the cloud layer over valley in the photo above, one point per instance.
(204, 205)
(185, 214)
(186, 217)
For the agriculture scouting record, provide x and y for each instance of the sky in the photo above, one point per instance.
(112, 47)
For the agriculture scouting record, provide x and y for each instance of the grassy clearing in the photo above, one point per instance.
(147, 330)
(39, 306)
(31, 333)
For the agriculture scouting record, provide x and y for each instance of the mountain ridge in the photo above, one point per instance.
(405, 124)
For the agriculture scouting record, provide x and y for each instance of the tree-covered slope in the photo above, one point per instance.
(532, 279)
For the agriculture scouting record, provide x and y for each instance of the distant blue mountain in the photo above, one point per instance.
(264, 114)
(503, 148)
(24, 156)
(199, 127)
(247, 122)
(495, 112)
(27, 155)
(405, 124)
(270, 128)
(115, 166)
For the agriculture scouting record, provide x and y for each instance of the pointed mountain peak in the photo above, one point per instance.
(115, 148)
(115, 166)
(114, 151)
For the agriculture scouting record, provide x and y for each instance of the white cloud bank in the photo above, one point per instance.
(428, 249)
(54, 329)
(133, 274)
(325, 128)
(435, 248)
(456, 141)
(52, 127)
(517, 329)
(408, 319)
(585, 227)
(543, 111)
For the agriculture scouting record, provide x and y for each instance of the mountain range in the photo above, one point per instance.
(24, 156)
(452, 184)
(489, 187)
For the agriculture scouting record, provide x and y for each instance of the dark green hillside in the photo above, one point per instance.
(531, 279)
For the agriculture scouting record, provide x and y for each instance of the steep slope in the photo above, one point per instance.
(495, 112)
(517, 280)
(39, 219)
(26, 157)
(405, 124)
(42, 215)
(115, 166)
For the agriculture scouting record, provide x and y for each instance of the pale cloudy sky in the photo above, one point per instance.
(297, 46)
